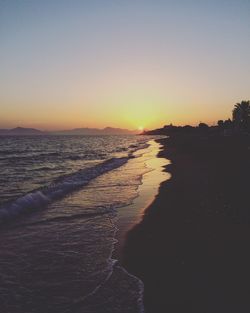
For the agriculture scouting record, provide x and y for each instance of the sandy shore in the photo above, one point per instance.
(130, 215)
(191, 249)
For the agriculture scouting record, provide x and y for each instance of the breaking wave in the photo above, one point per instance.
(62, 186)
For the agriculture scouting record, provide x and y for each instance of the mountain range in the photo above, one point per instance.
(21, 131)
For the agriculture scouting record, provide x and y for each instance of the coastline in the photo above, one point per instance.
(130, 215)
(119, 279)
(63, 252)
(191, 248)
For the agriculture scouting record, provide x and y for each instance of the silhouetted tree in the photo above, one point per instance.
(228, 123)
(220, 123)
(241, 115)
(203, 126)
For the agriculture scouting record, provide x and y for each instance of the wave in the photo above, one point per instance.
(81, 216)
(114, 273)
(45, 168)
(35, 156)
(62, 186)
(141, 145)
(100, 156)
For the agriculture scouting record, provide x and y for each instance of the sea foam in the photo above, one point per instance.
(62, 186)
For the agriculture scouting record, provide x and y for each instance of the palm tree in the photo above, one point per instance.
(241, 115)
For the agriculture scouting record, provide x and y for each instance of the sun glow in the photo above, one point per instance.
(141, 128)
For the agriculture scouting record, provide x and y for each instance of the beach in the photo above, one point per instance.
(64, 212)
(191, 249)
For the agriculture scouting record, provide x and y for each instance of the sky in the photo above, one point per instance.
(122, 63)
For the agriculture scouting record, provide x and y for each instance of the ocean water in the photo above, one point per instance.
(58, 214)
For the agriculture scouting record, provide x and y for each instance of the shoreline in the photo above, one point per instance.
(130, 215)
(191, 248)
(126, 218)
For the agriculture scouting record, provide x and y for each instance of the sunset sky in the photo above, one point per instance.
(122, 63)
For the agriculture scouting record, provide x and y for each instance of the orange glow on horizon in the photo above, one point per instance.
(128, 66)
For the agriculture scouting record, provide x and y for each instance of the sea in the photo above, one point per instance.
(59, 205)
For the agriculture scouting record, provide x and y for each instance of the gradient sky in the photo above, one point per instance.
(130, 63)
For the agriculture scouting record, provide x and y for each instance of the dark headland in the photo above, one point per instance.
(192, 248)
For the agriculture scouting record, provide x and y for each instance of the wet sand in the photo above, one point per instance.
(132, 214)
(191, 250)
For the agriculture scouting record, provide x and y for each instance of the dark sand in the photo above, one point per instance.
(192, 248)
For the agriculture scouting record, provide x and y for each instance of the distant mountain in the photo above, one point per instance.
(18, 131)
(21, 131)
(97, 131)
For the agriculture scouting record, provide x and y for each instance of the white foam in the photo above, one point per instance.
(141, 290)
(58, 189)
